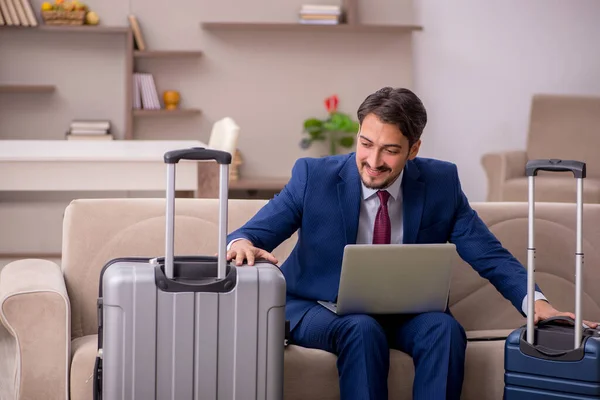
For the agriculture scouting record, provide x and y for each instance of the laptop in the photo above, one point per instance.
(394, 279)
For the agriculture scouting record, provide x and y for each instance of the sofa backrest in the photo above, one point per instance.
(565, 126)
(97, 231)
(479, 306)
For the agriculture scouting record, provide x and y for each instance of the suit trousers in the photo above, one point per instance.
(435, 341)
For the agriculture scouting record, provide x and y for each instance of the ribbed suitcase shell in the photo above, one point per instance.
(530, 378)
(162, 345)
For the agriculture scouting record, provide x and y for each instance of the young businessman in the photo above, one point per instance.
(381, 194)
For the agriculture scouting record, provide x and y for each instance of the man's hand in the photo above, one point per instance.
(244, 250)
(543, 310)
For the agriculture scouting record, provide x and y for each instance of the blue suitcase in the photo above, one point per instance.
(559, 358)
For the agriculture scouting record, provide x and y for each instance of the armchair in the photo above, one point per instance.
(560, 126)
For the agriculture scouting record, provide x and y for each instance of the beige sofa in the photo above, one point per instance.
(560, 126)
(48, 313)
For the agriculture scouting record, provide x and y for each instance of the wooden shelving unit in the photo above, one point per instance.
(297, 27)
(27, 88)
(137, 55)
(167, 54)
(166, 113)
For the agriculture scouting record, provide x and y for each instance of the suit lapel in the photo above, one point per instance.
(413, 199)
(349, 195)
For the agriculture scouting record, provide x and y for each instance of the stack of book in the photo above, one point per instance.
(320, 14)
(17, 13)
(89, 130)
(145, 94)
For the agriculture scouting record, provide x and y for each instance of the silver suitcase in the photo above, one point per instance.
(190, 327)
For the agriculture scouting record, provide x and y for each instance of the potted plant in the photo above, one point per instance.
(338, 128)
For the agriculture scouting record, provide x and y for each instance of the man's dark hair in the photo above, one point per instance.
(400, 107)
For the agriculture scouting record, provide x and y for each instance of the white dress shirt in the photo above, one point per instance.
(368, 212)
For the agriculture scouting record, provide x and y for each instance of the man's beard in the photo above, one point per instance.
(382, 185)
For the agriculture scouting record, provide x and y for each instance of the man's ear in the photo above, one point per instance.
(414, 150)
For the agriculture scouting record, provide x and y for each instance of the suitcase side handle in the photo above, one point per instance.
(555, 165)
(197, 154)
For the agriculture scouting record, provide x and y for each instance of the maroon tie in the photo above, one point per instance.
(382, 230)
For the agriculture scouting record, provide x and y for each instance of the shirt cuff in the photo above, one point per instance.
(538, 296)
(235, 240)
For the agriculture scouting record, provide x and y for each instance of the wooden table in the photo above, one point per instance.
(82, 165)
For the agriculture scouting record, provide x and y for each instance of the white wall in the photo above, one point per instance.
(477, 64)
(269, 82)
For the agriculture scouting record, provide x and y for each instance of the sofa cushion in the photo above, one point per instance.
(312, 374)
(319, 367)
(83, 357)
(552, 189)
(484, 371)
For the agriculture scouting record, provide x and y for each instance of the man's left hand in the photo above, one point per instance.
(544, 310)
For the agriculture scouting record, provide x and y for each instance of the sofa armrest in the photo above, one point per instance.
(35, 335)
(500, 167)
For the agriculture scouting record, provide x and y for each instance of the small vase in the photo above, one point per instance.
(171, 99)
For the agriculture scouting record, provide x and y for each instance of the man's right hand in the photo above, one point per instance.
(244, 250)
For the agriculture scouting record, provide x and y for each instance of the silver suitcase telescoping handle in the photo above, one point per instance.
(578, 170)
(171, 158)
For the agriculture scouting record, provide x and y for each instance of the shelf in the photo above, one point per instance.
(166, 53)
(27, 88)
(70, 28)
(298, 27)
(84, 28)
(165, 113)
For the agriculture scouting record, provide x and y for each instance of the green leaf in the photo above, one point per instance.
(338, 121)
(347, 141)
(341, 122)
(317, 135)
(330, 126)
(312, 125)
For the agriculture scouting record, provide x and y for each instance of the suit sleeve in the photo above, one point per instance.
(478, 246)
(280, 217)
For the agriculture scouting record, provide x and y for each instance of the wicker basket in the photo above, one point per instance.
(64, 17)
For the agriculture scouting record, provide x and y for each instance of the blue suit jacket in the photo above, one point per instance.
(322, 200)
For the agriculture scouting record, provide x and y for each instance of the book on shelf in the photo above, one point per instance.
(17, 13)
(89, 130)
(138, 38)
(107, 136)
(312, 14)
(145, 95)
(99, 126)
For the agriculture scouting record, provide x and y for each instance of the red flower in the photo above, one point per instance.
(331, 103)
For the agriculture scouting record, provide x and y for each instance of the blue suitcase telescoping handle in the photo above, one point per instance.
(197, 154)
(579, 172)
